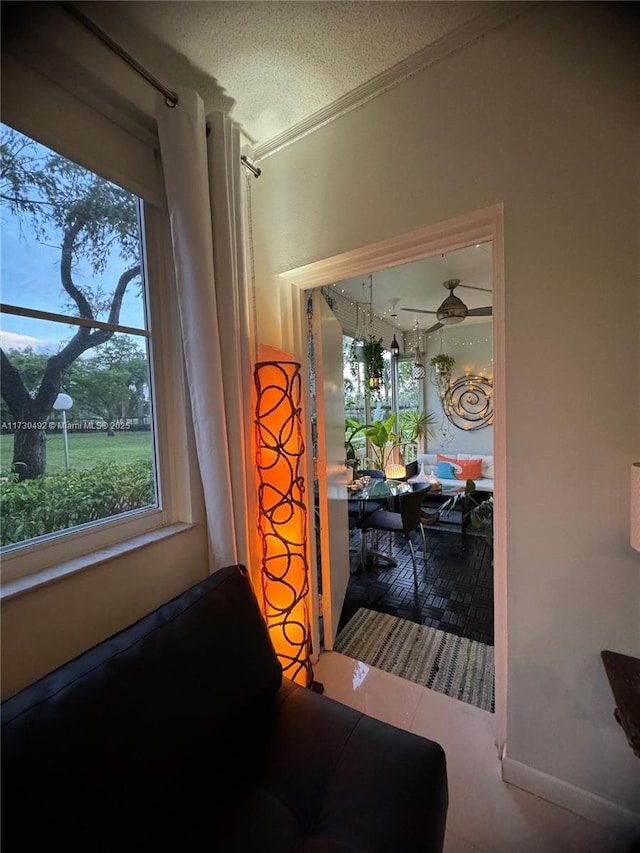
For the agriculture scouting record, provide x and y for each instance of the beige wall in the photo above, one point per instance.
(46, 627)
(540, 115)
(471, 344)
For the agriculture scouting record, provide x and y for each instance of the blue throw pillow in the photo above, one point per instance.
(446, 471)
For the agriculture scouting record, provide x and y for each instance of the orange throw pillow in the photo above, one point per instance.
(471, 469)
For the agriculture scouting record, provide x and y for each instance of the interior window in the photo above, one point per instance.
(77, 440)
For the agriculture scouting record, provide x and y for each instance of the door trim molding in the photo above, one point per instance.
(467, 229)
(445, 236)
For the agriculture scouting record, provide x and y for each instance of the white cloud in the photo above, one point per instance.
(12, 340)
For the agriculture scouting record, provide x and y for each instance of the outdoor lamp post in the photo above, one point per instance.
(62, 403)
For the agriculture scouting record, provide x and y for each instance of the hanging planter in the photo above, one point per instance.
(369, 353)
(359, 342)
(418, 370)
(441, 367)
(373, 359)
(442, 363)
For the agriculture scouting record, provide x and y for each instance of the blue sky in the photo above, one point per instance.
(30, 277)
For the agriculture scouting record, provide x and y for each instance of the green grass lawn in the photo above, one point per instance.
(86, 449)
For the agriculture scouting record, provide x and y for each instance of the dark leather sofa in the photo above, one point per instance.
(179, 734)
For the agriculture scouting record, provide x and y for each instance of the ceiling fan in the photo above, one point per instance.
(453, 310)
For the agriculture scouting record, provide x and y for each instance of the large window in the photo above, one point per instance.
(400, 394)
(77, 444)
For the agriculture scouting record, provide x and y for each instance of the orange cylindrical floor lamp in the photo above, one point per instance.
(282, 514)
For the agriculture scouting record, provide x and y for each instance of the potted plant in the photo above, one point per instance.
(414, 429)
(370, 352)
(352, 428)
(415, 425)
(480, 515)
(383, 441)
(382, 438)
(442, 363)
(373, 352)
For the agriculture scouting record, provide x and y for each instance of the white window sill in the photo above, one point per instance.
(53, 574)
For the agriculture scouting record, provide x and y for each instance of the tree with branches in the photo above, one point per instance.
(86, 218)
(111, 384)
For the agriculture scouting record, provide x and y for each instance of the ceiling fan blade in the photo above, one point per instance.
(418, 310)
(480, 312)
(434, 328)
(474, 287)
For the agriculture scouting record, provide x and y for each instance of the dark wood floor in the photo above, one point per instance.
(455, 588)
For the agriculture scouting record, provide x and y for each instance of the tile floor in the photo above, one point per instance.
(485, 814)
(455, 587)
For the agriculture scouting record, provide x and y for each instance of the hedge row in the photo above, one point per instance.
(50, 504)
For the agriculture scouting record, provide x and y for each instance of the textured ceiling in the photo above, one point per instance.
(421, 285)
(280, 62)
(273, 65)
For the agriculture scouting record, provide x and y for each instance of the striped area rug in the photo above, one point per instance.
(461, 668)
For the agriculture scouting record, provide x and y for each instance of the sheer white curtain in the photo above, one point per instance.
(225, 192)
(202, 181)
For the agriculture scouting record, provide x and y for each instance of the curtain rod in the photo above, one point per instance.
(171, 99)
(246, 162)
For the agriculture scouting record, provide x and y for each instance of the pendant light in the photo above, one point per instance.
(418, 370)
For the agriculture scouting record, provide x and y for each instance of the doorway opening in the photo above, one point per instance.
(482, 228)
(402, 417)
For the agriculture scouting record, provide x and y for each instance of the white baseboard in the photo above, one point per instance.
(567, 796)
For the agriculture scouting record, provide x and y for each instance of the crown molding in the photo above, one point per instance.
(469, 32)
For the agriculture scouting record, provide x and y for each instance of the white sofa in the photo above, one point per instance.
(484, 484)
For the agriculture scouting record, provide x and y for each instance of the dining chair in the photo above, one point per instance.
(405, 521)
(374, 473)
(427, 517)
(357, 510)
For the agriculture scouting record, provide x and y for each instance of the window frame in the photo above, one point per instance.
(81, 547)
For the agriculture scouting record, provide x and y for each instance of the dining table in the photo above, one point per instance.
(362, 492)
